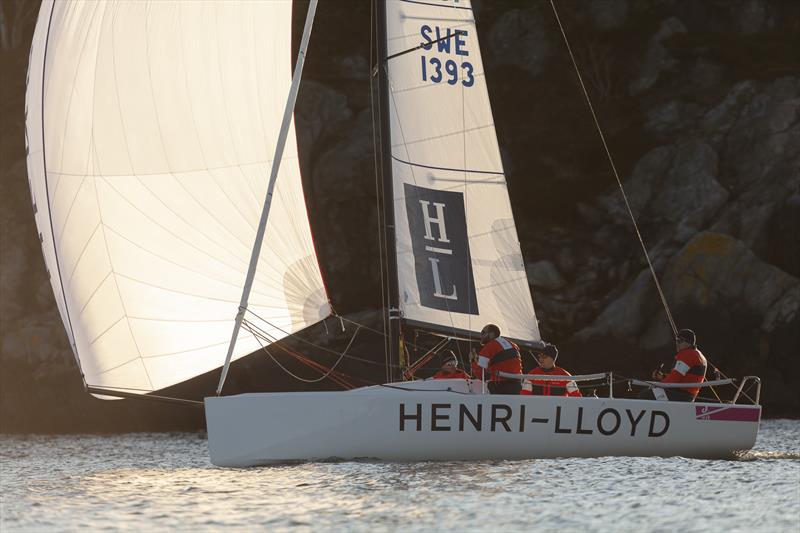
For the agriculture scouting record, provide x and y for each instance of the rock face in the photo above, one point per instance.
(657, 60)
(519, 30)
(700, 105)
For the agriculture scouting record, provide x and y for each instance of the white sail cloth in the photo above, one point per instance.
(458, 255)
(151, 126)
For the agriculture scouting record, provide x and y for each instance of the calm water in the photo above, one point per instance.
(164, 482)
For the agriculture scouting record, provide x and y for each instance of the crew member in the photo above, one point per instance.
(690, 367)
(497, 355)
(547, 367)
(450, 368)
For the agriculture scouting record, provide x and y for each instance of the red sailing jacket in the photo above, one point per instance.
(551, 388)
(458, 374)
(690, 367)
(498, 355)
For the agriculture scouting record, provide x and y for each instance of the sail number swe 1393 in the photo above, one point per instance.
(437, 70)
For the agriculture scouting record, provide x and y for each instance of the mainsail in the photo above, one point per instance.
(458, 256)
(151, 127)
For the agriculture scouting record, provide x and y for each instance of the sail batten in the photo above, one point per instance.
(158, 122)
(459, 259)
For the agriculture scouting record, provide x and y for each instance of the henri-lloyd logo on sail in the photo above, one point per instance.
(442, 262)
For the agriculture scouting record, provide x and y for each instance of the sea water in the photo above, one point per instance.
(163, 482)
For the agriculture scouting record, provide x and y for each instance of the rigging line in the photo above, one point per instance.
(471, 171)
(422, 361)
(406, 36)
(342, 317)
(447, 134)
(468, 265)
(387, 242)
(133, 396)
(272, 339)
(716, 369)
(317, 346)
(423, 45)
(434, 5)
(411, 344)
(378, 188)
(317, 380)
(335, 376)
(616, 174)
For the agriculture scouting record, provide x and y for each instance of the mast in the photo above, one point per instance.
(389, 251)
(276, 163)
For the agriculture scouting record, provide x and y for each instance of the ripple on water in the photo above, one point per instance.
(164, 481)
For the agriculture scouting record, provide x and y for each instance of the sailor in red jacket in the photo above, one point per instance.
(450, 369)
(497, 355)
(690, 367)
(547, 367)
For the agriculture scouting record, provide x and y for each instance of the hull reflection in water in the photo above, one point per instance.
(447, 420)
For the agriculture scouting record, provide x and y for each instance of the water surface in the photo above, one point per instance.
(160, 482)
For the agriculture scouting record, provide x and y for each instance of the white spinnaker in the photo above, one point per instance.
(443, 139)
(151, 127)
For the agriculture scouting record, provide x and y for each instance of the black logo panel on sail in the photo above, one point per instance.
(438, 226)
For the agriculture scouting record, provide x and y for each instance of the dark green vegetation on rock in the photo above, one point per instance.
(700, 104)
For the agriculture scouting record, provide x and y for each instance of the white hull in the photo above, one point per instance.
(431, 423)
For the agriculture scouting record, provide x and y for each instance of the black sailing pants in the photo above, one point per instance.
(505, 387)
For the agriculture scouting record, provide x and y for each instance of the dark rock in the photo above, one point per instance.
(720, 119)
(765, 134)
(706, 274)
(760, 154)
(320, 111)
(519, 38)
(625, 317)
(608, 14)
(351, 67)
(674, 184)
(544, 275)
(666, 120)
(715, 270)
(783, 238)
(657, 59)
(752, 16)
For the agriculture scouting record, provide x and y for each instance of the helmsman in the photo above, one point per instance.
(497, 355)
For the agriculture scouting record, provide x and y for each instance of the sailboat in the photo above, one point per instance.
(166, 187)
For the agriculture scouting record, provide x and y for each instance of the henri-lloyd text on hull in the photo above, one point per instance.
(505, 417)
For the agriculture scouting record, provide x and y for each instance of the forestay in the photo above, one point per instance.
(150, 130)
(458, 255)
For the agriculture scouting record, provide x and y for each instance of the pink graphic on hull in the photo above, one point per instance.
(733, 414)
